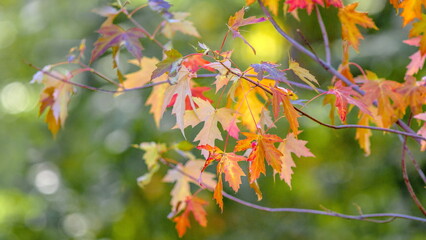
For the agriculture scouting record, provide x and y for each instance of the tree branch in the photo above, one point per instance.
(324, 36)
(361, 217)
(407, 180)
(325, 65)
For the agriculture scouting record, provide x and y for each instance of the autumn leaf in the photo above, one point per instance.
(195, 92)
(210, 116)
(152, 154)
(182, 90)
(417, 59)
(303, 74)
(266, 119)
(228, 165)
(271, 69)
(162, 7)
(349, 18)
(263, 148)
(169, 65)
(422, 130)
(281, 95)
(238, 20)
(291, 145)
(248, 100)
(142, 76)
(343, 97)
(411, 9)
(196, 62)
(413, 94)
(419, 30)
(179, 24)
(225, 75)
(54, 97)
(195, 206)
(114, 36)
(303, 4)
(389, 102)
(363, 134)
(183, 176)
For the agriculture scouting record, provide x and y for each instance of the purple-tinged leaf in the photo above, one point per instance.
(271, 69)
(113, 36)
(161, 7)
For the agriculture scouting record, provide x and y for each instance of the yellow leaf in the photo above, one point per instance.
(303, 74)
(349, 18)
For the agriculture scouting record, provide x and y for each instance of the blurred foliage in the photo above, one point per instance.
(82, 185)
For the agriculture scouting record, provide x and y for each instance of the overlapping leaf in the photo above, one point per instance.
(195, 206)
(183, 176)
(228, 165)
(309, 4)
(419, 30)
(263, 148)
(152, 154)
(271, 69)
(179, 24)
(280, 95)
(411, 9)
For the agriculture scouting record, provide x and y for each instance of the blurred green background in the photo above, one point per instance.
(82, 185)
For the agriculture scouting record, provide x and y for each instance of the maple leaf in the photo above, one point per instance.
(263, 148)
(142, 76)
(303, 4)
(349, 18)
(238, 20)
(169, 65)
(113, 36)
(291, 145)
(248, 100)
(194, 205)
(389, 102)
(271, 4)
(211, 117)
(224, 76)
(417, 59)
(156, 100)
(283, 96)
(55, 97)
(303, 74)
(179, 24)
(413, 94)
(343, 97)
(363, 134)
(196, 92)
(228, 165)
(412, 9)
(152, 154)
(422, 130)
(162, 7)
(271, 69)
(182, 90)
(195, 62)
(419, 29)
(266, 119)
(183, 176)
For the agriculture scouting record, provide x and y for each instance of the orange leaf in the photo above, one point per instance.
(263, 148)
(362, 134)
(419, 30)
(412, 9)
(422, 130)
(283, 96)
(389, 102)
(194, 205)
(413, 94)
(227, 164)
(349, 18)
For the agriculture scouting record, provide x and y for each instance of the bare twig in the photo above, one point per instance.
(324, 36)
(362, 217)
(407, 180)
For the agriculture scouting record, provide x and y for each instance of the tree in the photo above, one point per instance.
(255, 99)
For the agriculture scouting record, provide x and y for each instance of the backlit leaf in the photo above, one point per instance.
(195, 206)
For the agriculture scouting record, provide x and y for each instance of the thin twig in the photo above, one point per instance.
(407, 180)
(362, 217)
(413, 160)
(324, 36)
